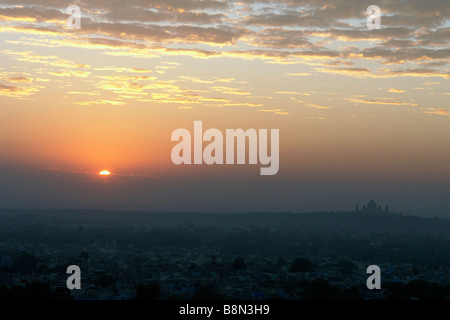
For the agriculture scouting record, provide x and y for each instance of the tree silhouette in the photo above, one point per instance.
(301, 265)
(281, 262)
(238, 263)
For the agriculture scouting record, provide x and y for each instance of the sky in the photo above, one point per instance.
(362, 113)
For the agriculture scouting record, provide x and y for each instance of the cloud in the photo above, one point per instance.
(194, 79)
(316, 106)
(284, 32)
(394, 56)
(329, 37)
(31, 14)
(437, 37)
(54, 61)
(288, 19)
(124, 84)
(15, 79)
(381, 101)
(417, 72)
(244, 104)
(315, 118)
(300, 74)
(110, 102)
(145, 15)
(363, 34)
(229, 90)
(352, 72)
(16, 92)
(438, 111)
(394, 90)
(122, 69)
(288, 92)
(275, 111)
(70, 73)
(84, 93)
(164, 34)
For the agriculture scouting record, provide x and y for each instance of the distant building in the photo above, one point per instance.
(372, 207)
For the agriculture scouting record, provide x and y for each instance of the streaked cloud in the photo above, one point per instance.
(308, 38)
(316, 106)
(394, 90)
(275, 111)
(381, 101)
(15, 91)
(438, 111)
(110, 102)
(230, 90)
(300, 74)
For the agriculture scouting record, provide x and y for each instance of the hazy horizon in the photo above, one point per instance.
(362, 113)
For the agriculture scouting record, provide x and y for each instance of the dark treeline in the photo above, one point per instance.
(325, 222)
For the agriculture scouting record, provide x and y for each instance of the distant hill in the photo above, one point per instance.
(329, 222)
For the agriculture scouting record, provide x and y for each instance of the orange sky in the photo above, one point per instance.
(350, 103)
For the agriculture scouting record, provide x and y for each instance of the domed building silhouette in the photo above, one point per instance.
(372, 207)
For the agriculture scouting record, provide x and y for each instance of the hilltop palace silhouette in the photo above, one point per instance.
(371, 207)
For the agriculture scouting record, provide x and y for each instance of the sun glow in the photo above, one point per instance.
(105, 173)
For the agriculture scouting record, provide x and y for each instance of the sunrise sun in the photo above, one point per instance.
(104, 173)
